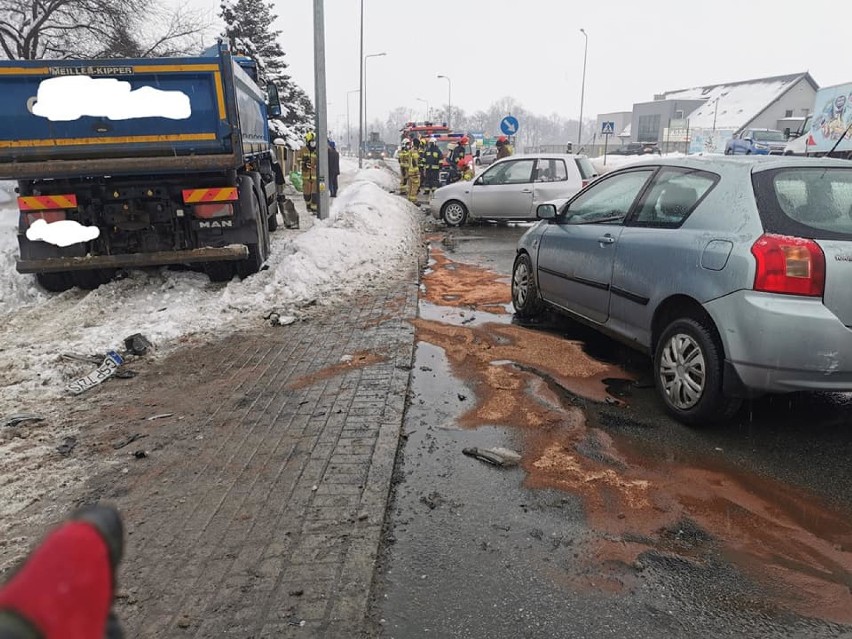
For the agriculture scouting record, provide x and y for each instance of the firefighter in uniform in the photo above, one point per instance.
(504, 150)
(308, 165)
(404, 157)
(414, 171)
(432, 164)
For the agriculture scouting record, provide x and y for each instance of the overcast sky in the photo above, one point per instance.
(533, 49)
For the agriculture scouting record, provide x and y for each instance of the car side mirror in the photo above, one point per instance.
(478, 181)
(546, 211)
(749, 140)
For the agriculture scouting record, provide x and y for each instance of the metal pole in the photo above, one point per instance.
(364, 86)
(715, 112)
(449, 100)
(361, 95)
(322, 116)
(582, 90)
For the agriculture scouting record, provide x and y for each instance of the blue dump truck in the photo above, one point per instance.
(163, 161)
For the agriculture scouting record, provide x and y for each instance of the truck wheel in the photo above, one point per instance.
(219, 271)
(273, 218)
(260, 250)
(91, 279)
(55, 282)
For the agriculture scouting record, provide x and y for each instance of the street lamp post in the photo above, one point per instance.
(321, 110)
(427, 107)
(582, 90)
(449, 100)
(361, 95)
(348, 128)
(364, 97)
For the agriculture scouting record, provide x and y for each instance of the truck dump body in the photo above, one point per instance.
(185, 114)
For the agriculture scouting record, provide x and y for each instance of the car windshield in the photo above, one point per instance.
(768, 136)
(808, 202)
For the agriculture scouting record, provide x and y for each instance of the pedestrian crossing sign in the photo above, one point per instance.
(607, 128)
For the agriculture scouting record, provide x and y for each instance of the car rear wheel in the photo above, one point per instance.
(688, 373)
(525, 297)
(454, 213)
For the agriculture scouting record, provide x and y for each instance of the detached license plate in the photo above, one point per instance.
(106, 370)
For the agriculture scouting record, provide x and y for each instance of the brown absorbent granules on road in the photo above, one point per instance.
(453, 284)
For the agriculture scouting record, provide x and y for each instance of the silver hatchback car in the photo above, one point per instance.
(511, 188)
(735, 275)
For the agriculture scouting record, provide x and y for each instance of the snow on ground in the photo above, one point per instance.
(369, 233)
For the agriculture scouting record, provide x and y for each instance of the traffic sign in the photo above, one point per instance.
(607, 128)
(509, 125)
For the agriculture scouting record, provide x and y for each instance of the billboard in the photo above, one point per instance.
(832, 116)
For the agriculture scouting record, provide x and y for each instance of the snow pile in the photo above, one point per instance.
(368, 235)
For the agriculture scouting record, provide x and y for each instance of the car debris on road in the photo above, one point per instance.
(502, 457)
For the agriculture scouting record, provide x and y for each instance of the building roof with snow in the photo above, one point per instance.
(738, 102)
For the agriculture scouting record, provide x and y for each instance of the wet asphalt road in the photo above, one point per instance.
(473, 551)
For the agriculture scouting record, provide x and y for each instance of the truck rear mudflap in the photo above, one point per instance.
(232, 252)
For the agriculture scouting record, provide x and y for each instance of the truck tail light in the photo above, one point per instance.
(48, 216)
(211, 211)
(789, 265)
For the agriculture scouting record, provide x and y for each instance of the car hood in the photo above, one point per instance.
(456, 188)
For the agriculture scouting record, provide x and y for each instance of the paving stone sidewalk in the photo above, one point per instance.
(259, 508)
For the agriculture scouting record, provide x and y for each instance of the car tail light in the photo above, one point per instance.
(789, 265)
(210, 211)
(48, 216)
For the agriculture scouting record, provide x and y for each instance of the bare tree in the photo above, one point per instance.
(36, 29)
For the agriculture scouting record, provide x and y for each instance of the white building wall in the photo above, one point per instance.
(800, 98)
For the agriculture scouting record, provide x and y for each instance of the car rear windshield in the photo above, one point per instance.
(587, 171)
(808, 202)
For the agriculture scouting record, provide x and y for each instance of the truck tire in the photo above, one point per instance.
(273, 218)
(259, 250)
(91, 279)
(55, 282)
(219, 271)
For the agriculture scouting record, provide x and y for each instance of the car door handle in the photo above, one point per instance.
(526, 190)
(606, 239)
